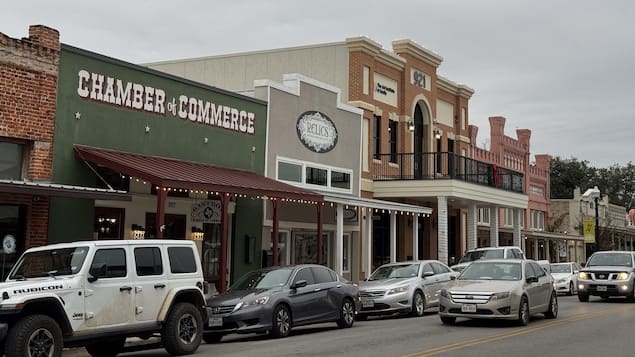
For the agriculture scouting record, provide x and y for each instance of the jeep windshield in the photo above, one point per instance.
(53, 262)
(263, 279)
(610, 259)
(482, 254)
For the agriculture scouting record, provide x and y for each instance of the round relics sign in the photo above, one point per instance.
(8, 244)
(316, 131)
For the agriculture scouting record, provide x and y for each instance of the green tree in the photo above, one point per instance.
(567, 174)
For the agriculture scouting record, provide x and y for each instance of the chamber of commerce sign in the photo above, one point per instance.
(136, 96)
(316, 131)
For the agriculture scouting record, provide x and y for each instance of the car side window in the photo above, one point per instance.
(439, 268)
(322, 275)
(304, 274)
(115, 261)
(148, 261)
(529, 271)
(427, 268)
(517, 254)
(540, 272)
(181, 260)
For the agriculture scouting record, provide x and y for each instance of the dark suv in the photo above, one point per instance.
(606, 274)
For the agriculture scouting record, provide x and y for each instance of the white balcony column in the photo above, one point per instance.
(393, 236)
(472, 226)
(369, 242)
(442, 229)
(415, 237)
(339, 239)
(493, 226)
(517, 239)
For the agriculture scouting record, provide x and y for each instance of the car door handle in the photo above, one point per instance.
(338, 286)
(125, 288)
(316, 289)
(159, 286)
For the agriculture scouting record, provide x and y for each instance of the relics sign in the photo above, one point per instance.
(206, 211)
(316, 131)
(137, 96)
(589, 231)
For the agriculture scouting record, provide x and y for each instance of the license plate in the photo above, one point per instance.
(215, 321)
(368, 303)
(601, 288)
(468, 308)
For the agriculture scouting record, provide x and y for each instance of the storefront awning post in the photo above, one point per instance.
(276, 231)
(393, 237)
(415, 237)
(339, 239)
(369, 242)
(319, 233)
(223, 242)
(160, 219)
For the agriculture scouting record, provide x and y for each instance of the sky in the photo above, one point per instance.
(565, 69)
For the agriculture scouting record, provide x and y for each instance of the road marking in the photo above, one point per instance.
(515, 332)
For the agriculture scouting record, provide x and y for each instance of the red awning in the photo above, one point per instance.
(173, 173)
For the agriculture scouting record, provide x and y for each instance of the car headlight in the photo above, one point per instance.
(247, 304)
(444, 293)
(582, 276)
(499, 296)
(622, 276)
(399, 289)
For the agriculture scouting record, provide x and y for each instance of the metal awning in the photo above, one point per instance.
(375, 203)
(61, 190)
(173, 173)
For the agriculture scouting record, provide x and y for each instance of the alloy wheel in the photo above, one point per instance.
(348, 312)
(283, 322)
(187, 329)
(524, 311)
(41, 343)
(419, 304)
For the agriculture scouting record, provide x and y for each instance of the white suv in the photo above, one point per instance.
(98, 293)
(506, 252)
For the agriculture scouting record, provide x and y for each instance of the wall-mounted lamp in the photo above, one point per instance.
(411, 126)
(437, 133)
(138, 232)
(197, 234)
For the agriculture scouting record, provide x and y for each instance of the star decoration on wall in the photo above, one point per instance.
(78, 115)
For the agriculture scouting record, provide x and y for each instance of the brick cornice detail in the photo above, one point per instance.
(417, 51)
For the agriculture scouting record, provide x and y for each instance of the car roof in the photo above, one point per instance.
(493, 248)
(483, 261)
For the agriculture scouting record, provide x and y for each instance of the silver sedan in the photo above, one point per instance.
(404, 287)
(500, 289)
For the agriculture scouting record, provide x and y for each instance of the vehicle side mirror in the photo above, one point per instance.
(97, 271)
(427, 274)
(452, 277)
(299, 284)
(533, 279)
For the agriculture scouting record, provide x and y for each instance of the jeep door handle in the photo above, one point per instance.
(125, 288)
(159, 286)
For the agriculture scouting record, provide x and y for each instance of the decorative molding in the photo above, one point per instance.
(419, 52)
(454, 88)
(363, 105)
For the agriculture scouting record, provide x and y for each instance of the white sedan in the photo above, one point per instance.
(565, 276)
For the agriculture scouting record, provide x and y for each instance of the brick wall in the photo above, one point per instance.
(28, 94)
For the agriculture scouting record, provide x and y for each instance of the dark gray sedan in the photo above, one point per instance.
(276, 299)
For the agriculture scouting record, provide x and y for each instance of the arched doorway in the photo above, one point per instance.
(421, 121)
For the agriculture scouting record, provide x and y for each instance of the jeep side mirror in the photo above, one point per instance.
(299, 284)
(97, 271)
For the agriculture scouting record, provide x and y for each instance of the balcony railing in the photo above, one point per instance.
(444, 165)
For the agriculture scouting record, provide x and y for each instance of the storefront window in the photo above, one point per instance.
(340, 180)
(305, 248)
(315, 176)
(377, 137)
(11, 161)
(289, 172)
(392, 127)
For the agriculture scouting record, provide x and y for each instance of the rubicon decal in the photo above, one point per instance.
(136, 96)
(37, 289)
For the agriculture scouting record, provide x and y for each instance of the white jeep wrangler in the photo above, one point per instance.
(98, 293)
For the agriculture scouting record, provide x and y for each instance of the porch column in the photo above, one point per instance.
(493, 226)
(442, 229)
(339, 239)
(393, 236)
(517, 239)
(415, 236)
(548, 250)
(369, 242)
(224, 201)
(472, 226)
(536, 243)
(160, 217)
(276, 230)
(319, 233)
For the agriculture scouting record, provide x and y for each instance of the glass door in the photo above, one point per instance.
(305, 248)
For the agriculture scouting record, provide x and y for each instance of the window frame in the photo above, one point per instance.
(393, 133)
(376, 137)
(329, 174)
(154, 250)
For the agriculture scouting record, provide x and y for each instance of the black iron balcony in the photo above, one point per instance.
(444, 165)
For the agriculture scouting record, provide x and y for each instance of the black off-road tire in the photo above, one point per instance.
(347, 314)
(106, 348)
(183, 329)
(282, 322)
(32, 333)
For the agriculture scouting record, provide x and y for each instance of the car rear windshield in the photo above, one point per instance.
(491, 271)
(482, 254)
(610, 259)
(395, 271)
(560, 268)
(263, 279)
